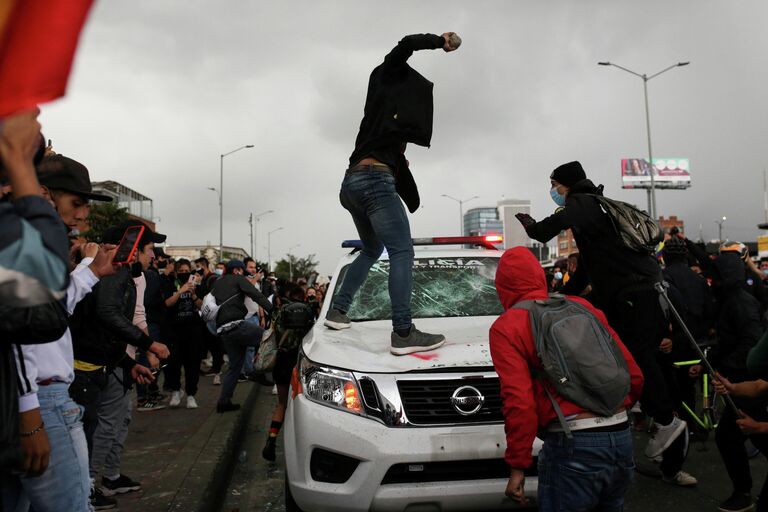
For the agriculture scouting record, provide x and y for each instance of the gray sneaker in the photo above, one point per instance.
(337, 320)
(416, 341)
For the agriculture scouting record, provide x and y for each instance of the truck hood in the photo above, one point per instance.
(364, 347)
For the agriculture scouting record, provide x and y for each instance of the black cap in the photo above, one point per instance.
(114, 234)
(159, 253)
(233, 264)
(569, 174)
(58, 172)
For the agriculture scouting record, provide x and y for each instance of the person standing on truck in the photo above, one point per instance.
(398, 110)
(597, 446)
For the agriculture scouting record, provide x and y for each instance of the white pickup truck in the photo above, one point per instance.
(369, 431)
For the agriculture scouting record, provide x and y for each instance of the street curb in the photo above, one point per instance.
(213, 453)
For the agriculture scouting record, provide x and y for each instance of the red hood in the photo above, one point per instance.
(519, 277)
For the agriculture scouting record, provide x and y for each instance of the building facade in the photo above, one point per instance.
(482, 221)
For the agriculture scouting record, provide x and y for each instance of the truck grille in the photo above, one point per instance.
(451, 471)
(428, 402)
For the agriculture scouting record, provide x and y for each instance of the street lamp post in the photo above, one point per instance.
(290, 260)
(461, 210)
(218, 195)
(269, 249)
(255, 231)
(646, 78)
(221, 197)
(720, 229)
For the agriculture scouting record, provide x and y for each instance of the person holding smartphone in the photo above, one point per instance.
(186, 334)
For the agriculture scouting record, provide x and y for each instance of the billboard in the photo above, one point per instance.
(762, 246)
(667, 173)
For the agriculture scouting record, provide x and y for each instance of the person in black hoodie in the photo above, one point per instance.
(236, 333)
(738, 329)
(398, 110)
(622, 285)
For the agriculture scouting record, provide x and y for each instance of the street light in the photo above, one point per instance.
(461, 210)
(254, 222)
(221, 197)
(652, 190)
(269, 249)
(290, 260)
(720, 229)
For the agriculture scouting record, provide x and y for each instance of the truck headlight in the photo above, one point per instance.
(330, 386)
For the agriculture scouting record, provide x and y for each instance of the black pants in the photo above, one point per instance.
(214, 346)
(639, 321)
(730, 443)
(186, 352)
(86, 390)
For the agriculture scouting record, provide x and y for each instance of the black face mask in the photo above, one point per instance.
(162, 264)
(136, 269)
(183, 277)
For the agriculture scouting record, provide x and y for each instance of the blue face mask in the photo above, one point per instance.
(559, 199)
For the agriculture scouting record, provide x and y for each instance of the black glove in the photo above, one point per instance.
(525, 219)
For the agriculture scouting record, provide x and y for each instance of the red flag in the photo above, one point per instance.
(38, 40)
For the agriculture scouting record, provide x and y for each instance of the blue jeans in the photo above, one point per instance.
(236, 341)
(65, 485)
(593, 471)
(381, 221)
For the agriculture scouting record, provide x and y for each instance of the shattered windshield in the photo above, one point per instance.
(442, 287)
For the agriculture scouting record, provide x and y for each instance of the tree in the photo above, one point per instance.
(102, 217)
(291, 268)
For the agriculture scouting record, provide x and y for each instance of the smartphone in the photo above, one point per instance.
(155, 371)
(192, 280)
(128, 245)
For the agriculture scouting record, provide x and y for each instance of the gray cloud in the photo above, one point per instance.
(160, 89)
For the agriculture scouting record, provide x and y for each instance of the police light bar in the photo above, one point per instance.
(486, 241)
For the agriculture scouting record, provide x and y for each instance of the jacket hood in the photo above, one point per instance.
(519, 276)
(586, 186)
(731, 270)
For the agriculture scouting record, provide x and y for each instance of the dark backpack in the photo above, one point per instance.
(296, 315)
(635, 229)
(579, 356)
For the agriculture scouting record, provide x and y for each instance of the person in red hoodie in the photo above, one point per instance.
(595, 467)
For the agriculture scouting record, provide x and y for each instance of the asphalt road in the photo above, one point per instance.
(257, 486)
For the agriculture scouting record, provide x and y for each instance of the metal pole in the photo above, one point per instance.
(221, 208)
(652, 191)
(765, 193)
(250, 223)
(461, 218)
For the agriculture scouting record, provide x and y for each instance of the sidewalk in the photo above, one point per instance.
(183, 457)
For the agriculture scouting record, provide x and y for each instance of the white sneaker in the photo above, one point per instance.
(663, 436)
(175, 399)
(217, 379)
(274, 389)
(191, 402)
(682, 479)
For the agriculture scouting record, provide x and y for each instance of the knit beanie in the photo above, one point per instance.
(569, 174)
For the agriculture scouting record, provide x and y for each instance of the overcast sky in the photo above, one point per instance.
(161, 89)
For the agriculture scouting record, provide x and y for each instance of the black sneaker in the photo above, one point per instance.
(148, 405)
(121, 485)
(269, 449)
(416, 341)
(738, 502)
(337, 320)
(101, 502)
(242, 378)
(226, 407)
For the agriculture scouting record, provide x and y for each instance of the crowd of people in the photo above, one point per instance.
(79, 331)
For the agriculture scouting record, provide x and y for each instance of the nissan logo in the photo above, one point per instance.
(467, 400)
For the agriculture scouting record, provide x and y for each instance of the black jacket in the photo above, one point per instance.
(102, 324)
(398, 110)
(611, 267)
(237, 288)
(696, 298)
(738, 320)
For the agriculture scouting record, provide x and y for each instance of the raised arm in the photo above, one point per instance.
(409, 44)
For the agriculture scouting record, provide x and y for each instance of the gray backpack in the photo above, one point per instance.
(579, 356)
(635, 229)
